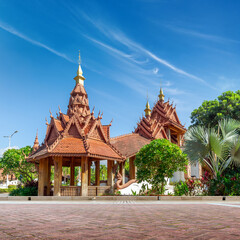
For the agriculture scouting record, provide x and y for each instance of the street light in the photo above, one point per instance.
(9, 146)
(9, 138)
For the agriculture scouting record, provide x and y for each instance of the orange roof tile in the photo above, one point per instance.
(58, 125)
(128, 145)
(70, 145)
(102, 149)
(106, 130)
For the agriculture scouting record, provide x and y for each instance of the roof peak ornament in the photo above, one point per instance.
(147, 109)
(161, 95)
(36, 142)
(79, 78)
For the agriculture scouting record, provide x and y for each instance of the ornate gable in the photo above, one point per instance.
(161, 122)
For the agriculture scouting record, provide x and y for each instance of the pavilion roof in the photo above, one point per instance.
(79, 132)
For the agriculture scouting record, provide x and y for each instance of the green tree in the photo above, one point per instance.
(217, 148)
(210, 112)
(103, 172)
(14, 162)
(159, 160)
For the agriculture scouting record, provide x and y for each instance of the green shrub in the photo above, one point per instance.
(11, 187)
(29, 189)
(180, 188)
(4, 190)
(24, 191)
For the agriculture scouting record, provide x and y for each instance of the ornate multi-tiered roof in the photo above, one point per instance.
(162, 119)
(79, 132)
(160, 122)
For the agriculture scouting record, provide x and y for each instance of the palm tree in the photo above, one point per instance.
(217, 148)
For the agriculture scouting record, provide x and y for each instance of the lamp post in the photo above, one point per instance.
(9, 146)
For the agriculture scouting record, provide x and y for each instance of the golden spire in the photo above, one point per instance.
(161, 95)
(147, 109)
(79, 78)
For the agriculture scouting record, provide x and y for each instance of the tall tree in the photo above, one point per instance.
(210, 112)
(159, 160)
(14, 162)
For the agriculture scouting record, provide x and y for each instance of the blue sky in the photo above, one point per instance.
(127, 47)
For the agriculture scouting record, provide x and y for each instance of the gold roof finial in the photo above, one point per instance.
(161, 95)
(147, 109)
(79, 78)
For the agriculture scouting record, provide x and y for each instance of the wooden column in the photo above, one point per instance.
(97, 173)
(169, 134)
(44, 177)
(132, 169)
(122, 171)
(179, 140)
(48, 176)
(200, 170)
(84, 176)
(110, 177)
(72, 172)
(57, 175)
(89, 172)
(188, 171)
(41, 178)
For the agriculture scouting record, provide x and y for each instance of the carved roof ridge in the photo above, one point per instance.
(87, 120)
(55, 143)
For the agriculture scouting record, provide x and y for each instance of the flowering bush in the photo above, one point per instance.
(225, 185)
(192, 186)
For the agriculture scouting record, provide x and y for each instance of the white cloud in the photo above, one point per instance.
(155, 70)
(32, 41)
(136, 48)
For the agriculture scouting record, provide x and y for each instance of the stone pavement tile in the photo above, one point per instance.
(126, 221)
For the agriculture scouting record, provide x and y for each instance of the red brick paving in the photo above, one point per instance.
(123, 221)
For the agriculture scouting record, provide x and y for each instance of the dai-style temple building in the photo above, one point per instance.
(79, 139)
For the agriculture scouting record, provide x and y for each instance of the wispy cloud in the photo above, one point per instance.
(139, 50)
(114, 50)
(201, 35)
(32, 41)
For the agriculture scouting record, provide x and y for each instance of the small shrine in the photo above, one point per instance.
(78, 139)
(75, 139)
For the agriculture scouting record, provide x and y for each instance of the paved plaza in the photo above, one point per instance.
(119, 220)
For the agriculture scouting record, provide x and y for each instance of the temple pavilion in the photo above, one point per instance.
(78, 139)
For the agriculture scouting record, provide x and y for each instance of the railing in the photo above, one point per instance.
(97, 190)
(70, 191)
